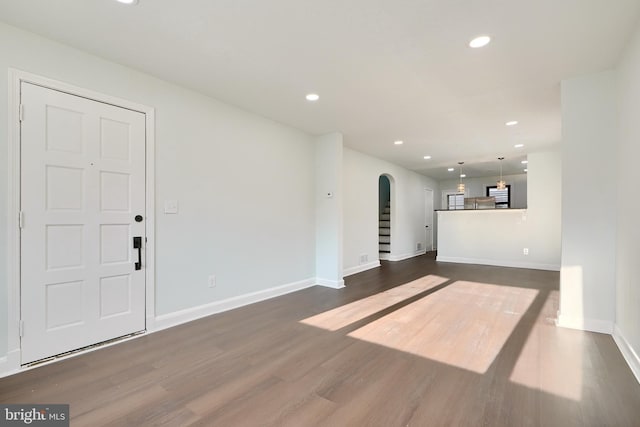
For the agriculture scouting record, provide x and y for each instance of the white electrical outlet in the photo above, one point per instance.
(212, 281)
(364, 258)
(525, 251)
(418, 246)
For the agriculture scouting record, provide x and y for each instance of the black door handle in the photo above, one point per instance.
(137, 244)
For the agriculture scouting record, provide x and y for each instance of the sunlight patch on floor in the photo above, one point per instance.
(465, 324)
(345, 315)
(556, 368)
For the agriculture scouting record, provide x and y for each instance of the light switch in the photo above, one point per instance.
(170, 206)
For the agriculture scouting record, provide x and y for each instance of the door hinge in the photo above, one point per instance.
(21, 219)
(21, 328)
(21, 112)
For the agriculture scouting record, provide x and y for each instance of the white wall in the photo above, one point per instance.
(587, 280)
(544, 210)
(499, 237)
(627, 270)
(360, 183)
(488, 237)
(245, 184)
(328, 164)
(477, 187)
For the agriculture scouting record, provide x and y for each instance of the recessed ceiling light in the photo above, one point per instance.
(526, 170)
(312, 97)
(480, 41)
(512, 123)
(427, 157)
(524, 162)
(463, 175)
(127, 1)
(398, 142)
(451, 169)
(518, 146)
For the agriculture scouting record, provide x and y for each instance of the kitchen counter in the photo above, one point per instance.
(484, 209)
(483, 236)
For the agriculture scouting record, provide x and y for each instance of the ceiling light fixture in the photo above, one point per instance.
(312, 97)
(526, 170)
(127, 1)
(427, 157)
(479, 41)
(524, 162)
(450, 169)
(511, 123)
(398, 142)
(518, 146)
(501, 185)
(461, 184)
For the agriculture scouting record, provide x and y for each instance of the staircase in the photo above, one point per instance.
(384, 233)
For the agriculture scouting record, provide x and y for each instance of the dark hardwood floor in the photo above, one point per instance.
(413, 343)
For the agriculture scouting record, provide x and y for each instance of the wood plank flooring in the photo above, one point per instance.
(413, 343)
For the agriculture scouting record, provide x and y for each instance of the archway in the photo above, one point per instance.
(385, 188)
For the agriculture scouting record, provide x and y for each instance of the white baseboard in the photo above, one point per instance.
(406, 256)
(591, 325)
(629, 354)
(187, 315)
(334, 284)
(500, 263)
(361, 268)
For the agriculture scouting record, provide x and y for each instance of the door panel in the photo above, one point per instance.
(82, 183)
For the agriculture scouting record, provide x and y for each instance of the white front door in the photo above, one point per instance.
(428, 218)
(82, 186)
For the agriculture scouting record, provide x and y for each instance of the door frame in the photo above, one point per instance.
(427, 189)
(16, 78)
(392, 205)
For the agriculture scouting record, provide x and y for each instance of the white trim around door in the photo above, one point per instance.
(16, 77)
(429, 201)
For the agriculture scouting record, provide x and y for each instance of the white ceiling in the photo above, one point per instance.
(384, 70)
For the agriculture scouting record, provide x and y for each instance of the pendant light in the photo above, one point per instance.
(461, 184)
(501, 185)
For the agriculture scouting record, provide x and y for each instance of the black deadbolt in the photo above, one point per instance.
(138, 218)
